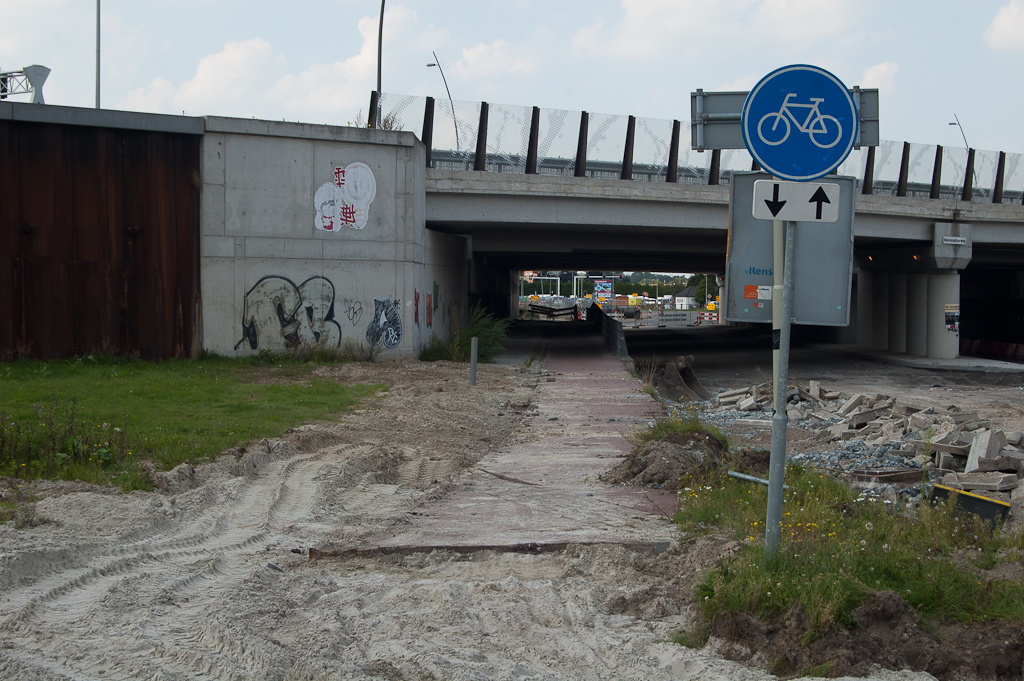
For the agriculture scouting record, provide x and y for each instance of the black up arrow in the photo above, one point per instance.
(819, 198)
(775, 205)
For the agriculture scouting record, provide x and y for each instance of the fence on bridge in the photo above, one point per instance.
(636, 317)
(529, 140)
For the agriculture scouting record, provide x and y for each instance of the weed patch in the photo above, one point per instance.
(840, 549)
(489, 331)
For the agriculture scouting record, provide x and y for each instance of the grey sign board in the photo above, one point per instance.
(822, 260)
(715, 119)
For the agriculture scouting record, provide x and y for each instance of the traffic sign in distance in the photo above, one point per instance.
(796, 201)
(799, 122)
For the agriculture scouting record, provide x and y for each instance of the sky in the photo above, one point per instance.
(315, 61)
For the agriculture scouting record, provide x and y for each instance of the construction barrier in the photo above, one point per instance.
(708, 317)
(992, 349)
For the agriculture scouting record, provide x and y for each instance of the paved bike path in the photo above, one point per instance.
(549, 491)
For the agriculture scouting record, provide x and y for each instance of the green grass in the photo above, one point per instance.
(838, 548)
(665, 428)
(95, 418)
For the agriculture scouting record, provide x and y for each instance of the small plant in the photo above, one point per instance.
(647, 373)
(664, 428)
(18, 506)
(358, 351)
(696, 637)
(489, 331)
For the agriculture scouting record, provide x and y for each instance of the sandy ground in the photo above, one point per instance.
(443, 532)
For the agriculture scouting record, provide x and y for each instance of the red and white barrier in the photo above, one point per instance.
(708, 317)
(992, 349)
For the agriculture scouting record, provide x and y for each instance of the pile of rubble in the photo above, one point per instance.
(875, 435)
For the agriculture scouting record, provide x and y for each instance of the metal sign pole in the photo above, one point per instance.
(782, 315)
(778, 243)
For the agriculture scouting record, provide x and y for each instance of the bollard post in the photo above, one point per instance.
(472, 360)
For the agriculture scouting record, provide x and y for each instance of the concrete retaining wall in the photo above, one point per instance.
(316, 234)
(614, 336)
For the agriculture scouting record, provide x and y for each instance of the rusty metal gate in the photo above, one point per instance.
(99, 241)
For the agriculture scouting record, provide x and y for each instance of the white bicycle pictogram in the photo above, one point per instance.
(815, 123)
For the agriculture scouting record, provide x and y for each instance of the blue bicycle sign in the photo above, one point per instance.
(814, 123)
(799, 122)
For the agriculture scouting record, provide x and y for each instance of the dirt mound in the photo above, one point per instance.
(664, 462)
(887, 634)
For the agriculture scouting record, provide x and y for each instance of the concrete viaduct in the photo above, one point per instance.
(313, 233)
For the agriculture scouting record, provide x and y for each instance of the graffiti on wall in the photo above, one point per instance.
(386, 327)
(353, 310)
(278, 315)
(345, 200)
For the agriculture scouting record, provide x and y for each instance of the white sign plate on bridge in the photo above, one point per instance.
(796, 201)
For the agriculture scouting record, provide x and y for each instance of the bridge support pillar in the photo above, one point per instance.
(865, 302)
(880, 311)
(917, 314)
(943, 289)
(898, 312)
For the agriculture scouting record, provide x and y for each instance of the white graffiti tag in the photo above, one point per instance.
(345, 201)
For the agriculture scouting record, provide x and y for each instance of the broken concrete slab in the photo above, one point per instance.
(987, 445)
(959, 450)
(947, 462)
(762, 424)
(814, 388)
(737, 393)
(866, 416)
(851, 404)
(922, 421)
(1003, 464)
(747, 404)
(990, 482)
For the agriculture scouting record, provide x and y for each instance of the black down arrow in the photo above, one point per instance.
(819, 198)
(775, 205)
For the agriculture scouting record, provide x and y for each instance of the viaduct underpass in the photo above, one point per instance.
(529, 222)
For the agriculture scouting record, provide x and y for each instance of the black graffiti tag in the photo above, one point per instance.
(353, 310)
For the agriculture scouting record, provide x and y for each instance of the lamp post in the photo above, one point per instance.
(97, 54)
(437, 63)
(956, 122)
(380, 44)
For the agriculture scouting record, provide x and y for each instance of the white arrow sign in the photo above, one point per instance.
(796, 201)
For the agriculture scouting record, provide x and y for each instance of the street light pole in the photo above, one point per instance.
(380, 45)
(966, 145)
(437, 63)
(957, 124)
(97, 54)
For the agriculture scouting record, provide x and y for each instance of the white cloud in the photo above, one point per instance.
(496, 59)
(657, 27)
(796, 24)
(740, 83)
(881, 76)
(233, 82)
(1006, 32)
(250, 78)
